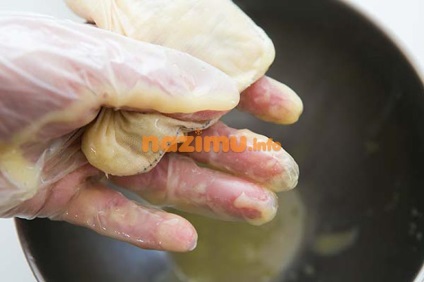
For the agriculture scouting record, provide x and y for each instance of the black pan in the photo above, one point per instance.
(359, 144)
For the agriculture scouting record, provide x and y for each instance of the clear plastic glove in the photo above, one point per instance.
(67, 72)
(219, 33)
(54, 78)
(226, 39)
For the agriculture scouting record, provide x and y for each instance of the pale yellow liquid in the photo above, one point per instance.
(229, 251)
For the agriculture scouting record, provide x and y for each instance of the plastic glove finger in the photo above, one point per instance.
(111, 214)
(256, 158)
(177, 181)
(79, 199)
(271, 101)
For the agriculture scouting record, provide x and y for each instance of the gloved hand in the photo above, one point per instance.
(65, 72)
(217, 32)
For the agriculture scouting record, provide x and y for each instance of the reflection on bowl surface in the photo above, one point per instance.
(359, 144)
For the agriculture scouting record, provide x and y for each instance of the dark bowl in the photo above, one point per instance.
(359, 144)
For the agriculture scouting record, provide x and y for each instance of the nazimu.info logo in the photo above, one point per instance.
(199, 143)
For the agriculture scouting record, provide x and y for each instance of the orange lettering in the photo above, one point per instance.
(186, 146)
(238, 147)
(146, 141)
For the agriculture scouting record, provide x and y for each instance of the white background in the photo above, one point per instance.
(403, 20)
